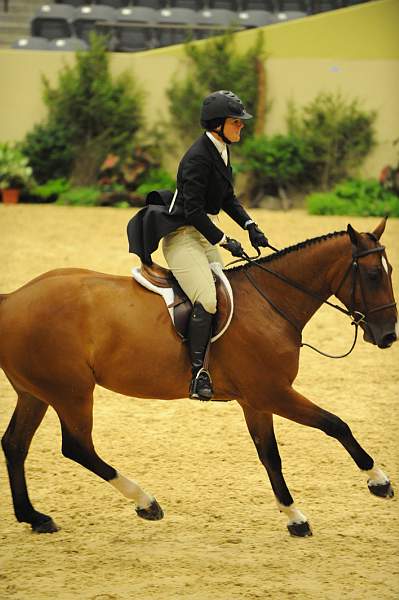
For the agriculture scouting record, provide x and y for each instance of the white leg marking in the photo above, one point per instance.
(397, 330)
(294, 515)
(131, 490)
(376, 476)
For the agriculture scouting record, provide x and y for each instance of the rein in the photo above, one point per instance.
(356, 316)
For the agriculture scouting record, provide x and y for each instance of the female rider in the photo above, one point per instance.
(189, 230)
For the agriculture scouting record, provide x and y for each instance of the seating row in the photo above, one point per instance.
(67, 27)
(39, 43)
(235, 5)
(134, 27)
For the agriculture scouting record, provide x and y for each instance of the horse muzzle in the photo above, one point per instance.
(381, 336)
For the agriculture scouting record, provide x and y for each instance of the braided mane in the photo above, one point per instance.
(290, 249)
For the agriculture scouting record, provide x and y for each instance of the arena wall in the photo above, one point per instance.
(354, 50)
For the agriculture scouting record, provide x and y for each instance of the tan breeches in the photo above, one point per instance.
(189, 255)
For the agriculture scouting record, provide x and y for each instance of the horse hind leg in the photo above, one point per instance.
(76, 417)
(16, 441)
(260, 427)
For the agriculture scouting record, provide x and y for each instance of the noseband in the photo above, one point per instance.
(356, 316)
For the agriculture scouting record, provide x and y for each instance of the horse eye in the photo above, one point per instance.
(375, 274)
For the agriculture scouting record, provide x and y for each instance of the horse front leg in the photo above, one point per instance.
(260, 427)
(16, 441)
(292, 405)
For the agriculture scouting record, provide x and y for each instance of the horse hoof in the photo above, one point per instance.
(153, 513)
(300, 529)
(47, 526)
(382, 490)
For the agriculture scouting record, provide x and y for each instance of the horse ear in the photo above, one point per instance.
(379, 230)
(354, 236)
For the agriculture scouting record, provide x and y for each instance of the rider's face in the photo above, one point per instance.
(232, 129)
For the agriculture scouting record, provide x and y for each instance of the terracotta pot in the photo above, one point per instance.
(10, 196)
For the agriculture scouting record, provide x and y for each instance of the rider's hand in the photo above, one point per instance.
(256, 236)
(233, 246)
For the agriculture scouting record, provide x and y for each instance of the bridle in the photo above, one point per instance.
(356, 275)
(353, 270)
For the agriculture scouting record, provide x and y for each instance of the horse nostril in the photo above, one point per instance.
(388, 340)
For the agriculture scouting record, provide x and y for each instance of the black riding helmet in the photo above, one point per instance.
(217, 107)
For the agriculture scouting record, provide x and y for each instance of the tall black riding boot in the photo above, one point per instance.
(199, 335)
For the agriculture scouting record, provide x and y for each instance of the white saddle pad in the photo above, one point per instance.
(168, 295)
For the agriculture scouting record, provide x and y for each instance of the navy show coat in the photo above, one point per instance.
(204, 186)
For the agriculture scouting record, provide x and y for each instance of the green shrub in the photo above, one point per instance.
(15, 171)
(338, 134)
(156, 179)
(214, 65)
(274, 161)
(89, 115)
(355, 197)
(50, 190)
(49, 150)
(80, 196)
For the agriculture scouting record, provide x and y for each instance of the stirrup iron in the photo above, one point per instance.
(194, 394)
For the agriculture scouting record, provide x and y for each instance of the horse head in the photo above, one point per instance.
(366, 288)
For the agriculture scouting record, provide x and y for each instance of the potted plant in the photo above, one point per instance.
(15, 172)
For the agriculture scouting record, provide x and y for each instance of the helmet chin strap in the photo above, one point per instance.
(221, 134)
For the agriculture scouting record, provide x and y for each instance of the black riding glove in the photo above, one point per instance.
(233, 246)
(256, 236)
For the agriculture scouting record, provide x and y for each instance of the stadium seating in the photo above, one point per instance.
(141, 24)
(215, 21)
(288, 15)
(192, 4)
(113, 3)
(53, 21)
(217, 17)
(71, 44)
(155, 4)
(136, 14)
(86, 20)
(177, 16)
(317, 6)
(73, 2)
(259, 5)
(179, 20)
(134, 29)
(133, 39)
(256, 18)
(293, 5)
(31, 43)
(227, 4)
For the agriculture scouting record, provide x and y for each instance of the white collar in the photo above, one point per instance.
(221, 146)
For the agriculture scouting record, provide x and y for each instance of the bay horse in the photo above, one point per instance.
(69, 329)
